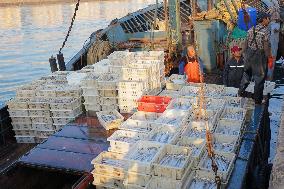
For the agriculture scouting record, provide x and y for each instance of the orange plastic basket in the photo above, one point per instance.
(156, 104)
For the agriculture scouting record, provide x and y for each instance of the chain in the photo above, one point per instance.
(70, 27)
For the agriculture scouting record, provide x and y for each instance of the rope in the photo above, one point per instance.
(70, 27)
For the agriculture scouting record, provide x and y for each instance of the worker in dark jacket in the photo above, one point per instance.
(234, 69)
(256, 56)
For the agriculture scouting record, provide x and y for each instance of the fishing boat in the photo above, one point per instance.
(69, 151)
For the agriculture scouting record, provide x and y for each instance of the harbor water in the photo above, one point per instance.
(30, 34)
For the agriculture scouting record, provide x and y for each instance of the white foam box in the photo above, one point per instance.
(121, 141)
(176, 118)
(189, 91)
(116, 169)
(170, 171)
(175, 82)
(65, 103)
(24, 132)
(42, 126)
(18, 104)
(108, 81)
(89, 91)
(236, 102)
(19, 113)
(62, 121)
(231, 113)
(165, 134)
(200, 176)
(107, 181)
(229, 127)
(25, 139)
(45, 120)
(224, 172)
(108, 93)
(110, 119)
(39, 113)
(108, 101)
(39, 104)
(136, 125)
(197, 145)
(136, 180)
(225, 143)
(141, 150)
(92, 107)
(67, 113)
(167, 183)
(92, 99)
(182, 103)
(196, 129)
(170, 93)
(21, 120)
(44, 133)
(22, 126)
(145, 116)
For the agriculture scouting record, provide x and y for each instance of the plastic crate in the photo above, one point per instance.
(224, 161)
(229, 127)
(62, 121)
(201, 179)
(213, 104)
(42, 126)
(92, 99)
(39, 113)
(175, 118)
(127, 101)
(189, 91)
(136, 125)
(214, 91)
(142, 155)
(230, 92)
(25, 139)
(145, 116)
(21, 120)
(175, 82)
(112, 164)
(90, 81)
(130, 94)
(172, 162)
(108, 93)
(67, 113)
(197, 146)
(196, 129)
(92, 107)
(107, 181)
(39, 104)
(135, 74)
(44, 134)
(127, 108)
(213, 116)
(18, 104)
(18, 113)
(163, 134)
(109, 107)
(24, 132)
(46, 120)
(170, 93)
(27, 91)
(167, 183)
(182, 103)
(225, 143)
(234, 114)
(65, 103)
(153, 103)
(108, 101)
(90, 91)
(236, 102)
(110, 119)
(108, 81)
(22, 126)
(121, 141)
(136, 180)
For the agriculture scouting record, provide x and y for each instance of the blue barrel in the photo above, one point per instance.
(253, 15)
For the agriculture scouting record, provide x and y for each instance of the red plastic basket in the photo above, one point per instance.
(156, 104)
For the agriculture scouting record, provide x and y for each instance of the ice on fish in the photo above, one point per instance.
(173, 160)
(144, 154)
(202, 183)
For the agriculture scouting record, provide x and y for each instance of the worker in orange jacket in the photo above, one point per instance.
(191, 65)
